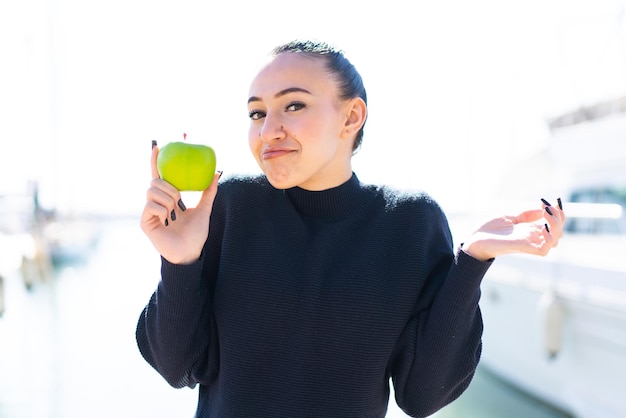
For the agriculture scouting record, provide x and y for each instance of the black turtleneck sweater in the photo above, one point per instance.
(305, 304)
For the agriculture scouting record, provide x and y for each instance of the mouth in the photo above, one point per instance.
(272, 153)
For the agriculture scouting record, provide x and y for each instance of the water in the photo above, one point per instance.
(67, 346)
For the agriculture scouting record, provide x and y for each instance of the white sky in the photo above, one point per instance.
(458, 91)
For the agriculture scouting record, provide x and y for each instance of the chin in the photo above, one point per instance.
(280, 177)
(278, 180)
(280, 184)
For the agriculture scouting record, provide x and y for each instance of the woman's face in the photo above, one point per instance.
(298, 124)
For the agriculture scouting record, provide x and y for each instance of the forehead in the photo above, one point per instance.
(292, 70)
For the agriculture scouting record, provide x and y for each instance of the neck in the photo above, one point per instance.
(344, 200)
(328, 180)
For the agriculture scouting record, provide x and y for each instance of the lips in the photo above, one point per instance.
(271, 153)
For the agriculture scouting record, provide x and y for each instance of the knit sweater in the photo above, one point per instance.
(307, 304)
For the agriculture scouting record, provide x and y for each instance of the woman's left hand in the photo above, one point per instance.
(534, 231)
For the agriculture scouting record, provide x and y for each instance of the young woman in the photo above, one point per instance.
(302, 292)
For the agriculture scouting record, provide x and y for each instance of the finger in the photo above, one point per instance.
(539, 240)
(531, 215)
(559, 210)
(153, 215)
(554, 226)
(554, 210)
(208, 195)
(163, 200)
(153, 160)
(554, 213)
(165, 187)
(551, 240)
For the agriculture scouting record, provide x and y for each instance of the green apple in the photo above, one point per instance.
(187, 166)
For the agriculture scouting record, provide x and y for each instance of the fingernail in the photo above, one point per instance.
(173, 215)
(547, 228)
(181, 205)
(558, 200)
(548, 210)
(154, 143)
(545, 202)
(166, 222)
(220, 172)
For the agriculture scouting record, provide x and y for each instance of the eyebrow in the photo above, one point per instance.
(281, 93)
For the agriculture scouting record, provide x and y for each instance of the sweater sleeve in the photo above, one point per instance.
(174, 330)
(437, 355)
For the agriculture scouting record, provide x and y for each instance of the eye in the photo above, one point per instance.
(295, 106)
(256, 114)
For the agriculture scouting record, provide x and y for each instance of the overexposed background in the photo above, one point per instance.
(459, 92)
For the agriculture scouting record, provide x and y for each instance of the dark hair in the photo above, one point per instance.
(348, 78)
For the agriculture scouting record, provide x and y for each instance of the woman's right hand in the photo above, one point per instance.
(177, 233)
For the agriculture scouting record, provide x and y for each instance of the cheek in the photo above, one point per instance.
(254, 139)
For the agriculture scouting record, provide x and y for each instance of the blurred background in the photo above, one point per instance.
(486, 105)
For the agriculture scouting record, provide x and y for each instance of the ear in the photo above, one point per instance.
(356, 113)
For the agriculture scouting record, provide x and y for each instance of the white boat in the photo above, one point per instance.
(34, 241)
(20, 251)
(555, 327)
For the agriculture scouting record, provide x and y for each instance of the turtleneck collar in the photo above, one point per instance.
(344, 200)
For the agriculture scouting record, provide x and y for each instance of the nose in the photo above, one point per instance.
(272, 128)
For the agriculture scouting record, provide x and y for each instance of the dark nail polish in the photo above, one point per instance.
(548, 210)
(167, 222)
(173, 215)
(560, 203)
(545, 202)
(547, 228)
(154, 143)
(181, 205)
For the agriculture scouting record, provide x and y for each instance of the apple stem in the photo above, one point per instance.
(184, 136)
